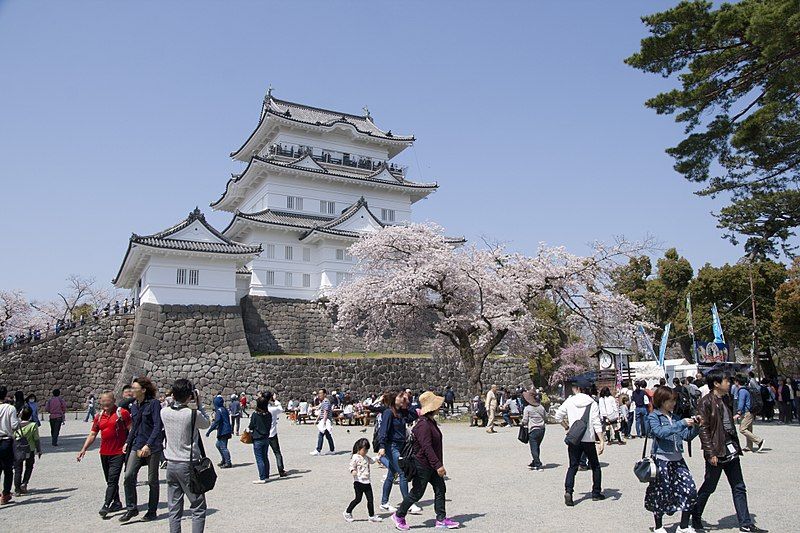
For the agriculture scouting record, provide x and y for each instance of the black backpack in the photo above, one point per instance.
(756, 401)
(686, 406)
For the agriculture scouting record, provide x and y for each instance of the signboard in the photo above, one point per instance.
(712, 352)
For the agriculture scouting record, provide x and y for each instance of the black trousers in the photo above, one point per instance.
(733, 471)
(235, 422)
(419, 484)
(575, 453)
(23, 470)
(112, 469)
(153, 461)
(276, 449)
(55, 429)
(362, 489)
(7, 464)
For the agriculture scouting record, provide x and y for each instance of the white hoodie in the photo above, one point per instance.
(573, 408)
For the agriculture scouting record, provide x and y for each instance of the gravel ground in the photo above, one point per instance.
(489, 488)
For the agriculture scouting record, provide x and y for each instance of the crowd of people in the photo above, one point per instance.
(164, 433)
(33, 334)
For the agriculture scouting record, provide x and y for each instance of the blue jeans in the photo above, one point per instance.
(629, 426)
(641, 422)
(393, 454)
(319, 440)
(534, 441)
(261, 450)
(222, 446)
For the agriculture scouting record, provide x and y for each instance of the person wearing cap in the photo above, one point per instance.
(534, 417)
(573, 409)
(235, 409)
(429, 465)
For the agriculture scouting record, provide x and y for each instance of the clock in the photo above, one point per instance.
(606, 361)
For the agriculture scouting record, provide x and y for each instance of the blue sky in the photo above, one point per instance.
(119, 117)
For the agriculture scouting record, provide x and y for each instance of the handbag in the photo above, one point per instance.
(645, 469)
(202, 476)
(523, 436)
(406, 459)
(578, 429)
(22, 448)
(246, 438)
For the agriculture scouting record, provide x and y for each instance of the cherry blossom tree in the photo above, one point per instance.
(411, 279)
(572, 360)
(16, 313)
(79, 291)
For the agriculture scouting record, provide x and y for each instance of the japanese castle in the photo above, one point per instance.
(315, 181)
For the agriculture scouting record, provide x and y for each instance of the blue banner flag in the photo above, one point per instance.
(649, 353)
(663, 348)
(719, 337)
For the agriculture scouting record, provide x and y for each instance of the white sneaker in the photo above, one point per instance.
(376, 518)
(315, 452)
(259, 482)
(689, 529)
(347, 516)
(414, 509)
(660, 530)
(388, 508)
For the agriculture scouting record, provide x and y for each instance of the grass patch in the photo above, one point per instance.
(349, 355)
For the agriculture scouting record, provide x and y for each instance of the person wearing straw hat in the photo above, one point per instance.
(534, 417)
(429, 465)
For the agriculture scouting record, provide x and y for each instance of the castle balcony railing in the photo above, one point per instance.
(335, 158)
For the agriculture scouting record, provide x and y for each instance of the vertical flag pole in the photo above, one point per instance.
(691, 326)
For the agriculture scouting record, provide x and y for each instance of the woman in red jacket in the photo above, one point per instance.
(429, 465)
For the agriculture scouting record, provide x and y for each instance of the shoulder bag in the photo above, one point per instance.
(22, 448)
(202, 476)
(578, 429)
(523, 436)
(645, 469)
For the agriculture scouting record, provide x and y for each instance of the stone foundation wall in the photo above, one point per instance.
(209, 346)
(286, 326)
(82, 361)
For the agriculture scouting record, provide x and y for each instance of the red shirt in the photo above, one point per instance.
(113, 431)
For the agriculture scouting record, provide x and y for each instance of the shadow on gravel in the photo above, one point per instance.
(71, 444)
(461, 519)
(239, 465)
(610, 494)
(28, 500)
(729, 522)
(50, 490)
(294, 473)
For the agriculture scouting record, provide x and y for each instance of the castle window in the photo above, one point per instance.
(294, 202)
(270, 278)
(181, 277)
(307, 254)
(270, 251)
(306, 280)
(194, 277)
(326, 207)
(387, 215)
(288, 279)
(288, 253)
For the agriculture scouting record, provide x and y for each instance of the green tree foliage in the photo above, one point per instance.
(729, 287)
(662, 296)
(738, 66)
(786, 315)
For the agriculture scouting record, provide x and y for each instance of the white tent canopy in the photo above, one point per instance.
(652, 372)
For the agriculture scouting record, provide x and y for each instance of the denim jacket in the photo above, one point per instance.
(668, 436)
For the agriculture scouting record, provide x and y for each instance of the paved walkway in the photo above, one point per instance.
(489, 488)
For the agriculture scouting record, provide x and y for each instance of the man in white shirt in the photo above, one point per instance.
(275, 409)
(9, 422)
(581, 406)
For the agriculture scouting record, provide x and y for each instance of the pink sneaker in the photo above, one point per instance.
(400, 522)
(447, 523)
